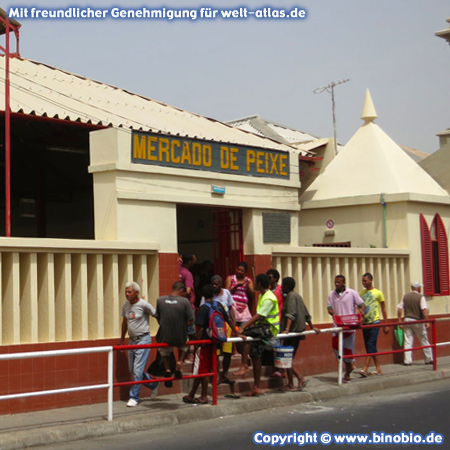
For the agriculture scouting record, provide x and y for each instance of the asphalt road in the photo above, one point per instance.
(412, 409)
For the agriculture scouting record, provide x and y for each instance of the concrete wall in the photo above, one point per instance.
(360, 223)
(138, 202)
(360, 220)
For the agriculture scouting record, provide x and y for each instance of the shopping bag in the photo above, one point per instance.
(398, 333)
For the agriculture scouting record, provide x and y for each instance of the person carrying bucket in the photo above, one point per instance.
(294, 317)
(264, 325)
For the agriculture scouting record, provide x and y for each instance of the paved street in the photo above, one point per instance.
(418, 408)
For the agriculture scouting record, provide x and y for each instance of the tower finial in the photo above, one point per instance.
(368, 113)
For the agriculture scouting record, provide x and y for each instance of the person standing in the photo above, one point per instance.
(241, 288)
(274, 277)
(343, 301)
(174, 314)
(136, 314)
(294, 318)
(205, 356)
(186, 277)
(224, 297)
(373, 301)
(264, 325)
(414, 307)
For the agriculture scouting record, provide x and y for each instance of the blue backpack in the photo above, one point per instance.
(217, 330)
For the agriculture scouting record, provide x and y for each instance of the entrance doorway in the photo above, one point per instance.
(214, 235)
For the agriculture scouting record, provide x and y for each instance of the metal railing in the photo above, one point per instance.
(433, 345)
(78, 351)
(184, 377)
(109, 385)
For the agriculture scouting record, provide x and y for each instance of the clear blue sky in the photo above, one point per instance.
(227, 69)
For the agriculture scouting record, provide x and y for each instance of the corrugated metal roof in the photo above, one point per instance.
(43, 90)
(272, 130)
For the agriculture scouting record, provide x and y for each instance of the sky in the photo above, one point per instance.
(231, 68)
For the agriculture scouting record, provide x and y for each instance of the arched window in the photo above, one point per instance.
(434, 257)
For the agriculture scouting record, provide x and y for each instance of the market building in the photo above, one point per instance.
(108, 186)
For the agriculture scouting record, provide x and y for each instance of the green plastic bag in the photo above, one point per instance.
(398, 333)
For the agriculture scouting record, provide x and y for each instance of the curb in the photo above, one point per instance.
(144, 421)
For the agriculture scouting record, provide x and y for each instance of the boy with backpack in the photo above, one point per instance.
(210, 323)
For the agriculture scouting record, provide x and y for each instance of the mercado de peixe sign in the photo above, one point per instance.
(187, 153)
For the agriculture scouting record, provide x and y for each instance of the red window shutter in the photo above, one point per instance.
(427, 257)
(441, 237)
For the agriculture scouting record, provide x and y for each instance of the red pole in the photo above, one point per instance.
(214, 380)
(7, 139)
(434, 336)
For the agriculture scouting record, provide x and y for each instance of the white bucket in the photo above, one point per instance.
(282, 357)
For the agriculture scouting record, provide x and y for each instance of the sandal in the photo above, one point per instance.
(303, 385)
(232, 396)
(255, 393)
(363, 373)
(225, 380)
(376, 372)
(178, 374)
(289, 389)
(186, 399)
(168, 383)
(200, 402)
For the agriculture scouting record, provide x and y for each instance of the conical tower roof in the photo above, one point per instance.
(371, 163)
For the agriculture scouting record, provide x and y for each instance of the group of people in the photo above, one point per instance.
(344, 301)
(279, 310)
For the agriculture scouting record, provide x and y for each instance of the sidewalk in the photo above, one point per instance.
(83, 422)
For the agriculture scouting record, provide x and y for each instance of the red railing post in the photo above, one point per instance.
(434, 338)
(214, 381)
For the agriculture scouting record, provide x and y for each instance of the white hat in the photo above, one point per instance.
(416, 284)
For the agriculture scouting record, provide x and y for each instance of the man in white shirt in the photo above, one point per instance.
(136, 313)
(414, 307)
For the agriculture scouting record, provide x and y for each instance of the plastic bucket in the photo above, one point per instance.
(282, 357)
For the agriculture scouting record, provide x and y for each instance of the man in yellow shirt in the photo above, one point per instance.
(264, 325)
(374, 301)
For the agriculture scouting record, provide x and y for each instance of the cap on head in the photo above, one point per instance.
(416, 284)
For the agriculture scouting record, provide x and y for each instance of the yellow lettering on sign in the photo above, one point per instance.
(139, 150)
(251, 159)
(186, 154)
(196, 154)
(207, 156)
(175, 159)
(164, 149)
(151, 148)
(283, 164)
(233, 158)
(273, 160)
(224, 157)
(260, 162)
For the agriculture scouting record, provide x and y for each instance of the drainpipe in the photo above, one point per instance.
(384, 220)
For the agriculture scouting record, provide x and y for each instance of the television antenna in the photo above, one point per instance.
(330, 89)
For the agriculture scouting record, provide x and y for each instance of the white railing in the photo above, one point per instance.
(442, 319)
(78, 351)
(110, 367)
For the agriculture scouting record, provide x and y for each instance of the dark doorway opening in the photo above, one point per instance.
(213, 235)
